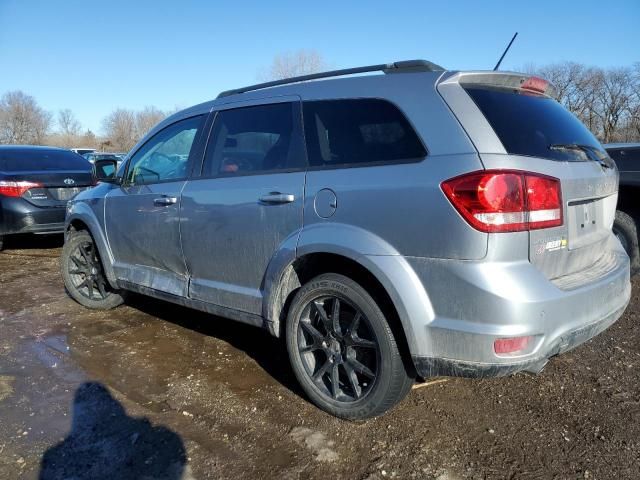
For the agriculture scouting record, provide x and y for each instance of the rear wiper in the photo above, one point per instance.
(588, 149)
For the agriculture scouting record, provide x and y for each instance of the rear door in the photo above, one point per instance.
(141, 216)
(535, 133)
(247, 205)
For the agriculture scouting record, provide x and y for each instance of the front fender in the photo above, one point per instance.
(85, 212)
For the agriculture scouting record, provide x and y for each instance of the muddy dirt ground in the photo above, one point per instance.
(160, 391)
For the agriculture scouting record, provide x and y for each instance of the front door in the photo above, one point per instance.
(142, 216)
(246, 206)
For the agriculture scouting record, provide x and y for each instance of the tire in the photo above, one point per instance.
(84, 276)
(1, 242)
(624, 227)
(361, 338)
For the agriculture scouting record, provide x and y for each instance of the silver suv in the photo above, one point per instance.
(409, 223)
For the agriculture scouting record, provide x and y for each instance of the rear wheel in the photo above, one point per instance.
(83, 274)
(343, 351)
(625, 229)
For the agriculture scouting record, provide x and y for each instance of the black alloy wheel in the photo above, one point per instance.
(338, 348)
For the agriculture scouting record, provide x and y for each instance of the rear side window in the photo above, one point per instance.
(534, 125)
(257, 139)
(14, 160)
(358, 132)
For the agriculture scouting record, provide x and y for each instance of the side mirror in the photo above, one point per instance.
(105, 171)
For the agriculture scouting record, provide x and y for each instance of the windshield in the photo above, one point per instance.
(15, 160)
(535, 125)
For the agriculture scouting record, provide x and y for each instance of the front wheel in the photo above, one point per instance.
(83, 274)
(343, 351)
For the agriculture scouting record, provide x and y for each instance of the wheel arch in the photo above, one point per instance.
(81, 217)
(370, 272)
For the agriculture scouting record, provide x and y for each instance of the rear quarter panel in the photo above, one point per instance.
(401, 204)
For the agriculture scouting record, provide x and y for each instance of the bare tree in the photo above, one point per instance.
(67, 123)
(614, 97)
(22, 120)
(146, 119)
(68, 128)
(633, 127)
(120, 129)
(88, 139)
(606, 101)
(293, 64)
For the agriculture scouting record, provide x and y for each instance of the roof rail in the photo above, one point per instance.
(395, 67)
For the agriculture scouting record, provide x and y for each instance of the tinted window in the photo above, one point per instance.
(12, 160)
(165, 156)
(348, 132)
(627, 159)
(625, 154)
(254, 139)
(107, 157)
(531, 124)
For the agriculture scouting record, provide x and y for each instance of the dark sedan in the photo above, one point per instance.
(627, 222)
(35, 185)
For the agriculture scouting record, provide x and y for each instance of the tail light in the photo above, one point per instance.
(16, 189)
(506, 200)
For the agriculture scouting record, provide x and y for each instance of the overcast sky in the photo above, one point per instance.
(94, 56)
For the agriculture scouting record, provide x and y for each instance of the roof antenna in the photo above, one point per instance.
(505, 52)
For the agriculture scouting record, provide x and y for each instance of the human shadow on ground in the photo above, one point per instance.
(106, 443)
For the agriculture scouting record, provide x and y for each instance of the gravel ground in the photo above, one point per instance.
(152, 390)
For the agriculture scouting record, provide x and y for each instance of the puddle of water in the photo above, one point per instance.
(53, 353)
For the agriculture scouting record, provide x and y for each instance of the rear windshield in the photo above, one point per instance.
(534, 125)
(13, 160)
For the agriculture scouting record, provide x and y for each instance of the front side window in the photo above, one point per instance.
(165, 156)
(358, 131)
(258, 139)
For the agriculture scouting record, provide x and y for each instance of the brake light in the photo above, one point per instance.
(506, 200)
(16, 189)
(535, 84)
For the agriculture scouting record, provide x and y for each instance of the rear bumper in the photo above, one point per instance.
(430, 367)
(19, 216)
(475, 303)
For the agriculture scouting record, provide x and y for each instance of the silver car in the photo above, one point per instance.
(402, 224)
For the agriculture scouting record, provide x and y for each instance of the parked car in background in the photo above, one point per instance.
(412, 222)
(627, 158)
(35, 185)
(82, 151)
(93, 156)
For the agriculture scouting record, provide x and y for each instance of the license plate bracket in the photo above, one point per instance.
(584, 222)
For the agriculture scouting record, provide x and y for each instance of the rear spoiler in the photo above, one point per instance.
(507, 80)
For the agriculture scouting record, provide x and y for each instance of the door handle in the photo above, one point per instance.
(165, 201)
(277, 197)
